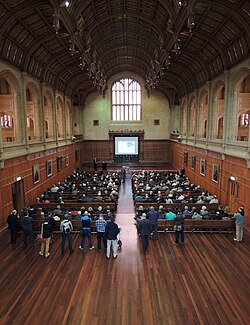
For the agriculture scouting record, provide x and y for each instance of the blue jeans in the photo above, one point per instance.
(144, 240)
(69, 239)
(87, 233)
(28, 237)
(179, 235)
(101, 237)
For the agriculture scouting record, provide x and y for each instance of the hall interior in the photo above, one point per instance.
(204, 281)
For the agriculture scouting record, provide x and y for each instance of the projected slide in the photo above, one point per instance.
(126, 145)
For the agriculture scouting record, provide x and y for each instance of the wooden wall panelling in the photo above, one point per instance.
(22, 167)
(229, 166)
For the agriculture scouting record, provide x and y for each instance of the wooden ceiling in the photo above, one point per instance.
(175, 48)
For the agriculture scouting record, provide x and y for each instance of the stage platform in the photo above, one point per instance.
(132, 166)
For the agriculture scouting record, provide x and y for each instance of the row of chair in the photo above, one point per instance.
(173, 206)
(226, 226)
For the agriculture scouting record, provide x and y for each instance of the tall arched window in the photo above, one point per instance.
(126, 100)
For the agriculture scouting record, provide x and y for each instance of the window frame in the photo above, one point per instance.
(126, 98)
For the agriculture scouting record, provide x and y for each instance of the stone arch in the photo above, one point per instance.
(48, 110)
(32, 110)
(9, 108)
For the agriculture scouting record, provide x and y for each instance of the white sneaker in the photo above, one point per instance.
(47, 255)
(235, 239)
(40, 253)
(91, 248)
(81, 248)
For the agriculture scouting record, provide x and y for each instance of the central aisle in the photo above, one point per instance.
(125, 219)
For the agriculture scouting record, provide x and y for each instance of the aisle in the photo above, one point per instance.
(125, 218)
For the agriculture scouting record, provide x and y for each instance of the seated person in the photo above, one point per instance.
(58, 212)
(204, 212)
(217, 216)
(186, 211)
(137, 196)
(214, 200)
(139, 213)
(169, 199)
(170, 215)
(196, 216)
(200, 200)
(31, 210)
(79, 215)
(161, 212)
(74, 212)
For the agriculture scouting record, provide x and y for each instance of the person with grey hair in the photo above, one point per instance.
(13, 226)
(240, 218)
(111, 231)
(144, 229)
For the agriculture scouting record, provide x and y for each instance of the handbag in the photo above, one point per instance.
(39, 237)
(177, 227)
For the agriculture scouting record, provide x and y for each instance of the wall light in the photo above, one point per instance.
(232, 178)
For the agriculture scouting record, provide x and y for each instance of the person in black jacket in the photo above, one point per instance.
(27, 229)
(52, 222)
(179, 228)
(111, 233)
(13, 226)
(144, 229)
(46, 230)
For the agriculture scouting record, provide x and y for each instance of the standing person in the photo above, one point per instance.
(144, 229)
(27, 229)
(66, 229)
(95, 164)
(100, 229)
(86, 231)
(52, 222)
(152, 215)
(240, 218)
(13, 226)
(104, 166)
(111, 233)
(46, 231)
(179, 229)
(123, 175)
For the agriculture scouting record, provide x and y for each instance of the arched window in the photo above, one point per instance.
(6, 121)
(126, 100)
(244, 119)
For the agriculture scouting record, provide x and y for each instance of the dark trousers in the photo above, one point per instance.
(179, 235)
(28, 237)
(144, 240)
(69, 239)
(154, 231)
(13, 235)
(101, 238)
(86, 233)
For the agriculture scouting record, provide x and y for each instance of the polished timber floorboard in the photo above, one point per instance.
(206, 281)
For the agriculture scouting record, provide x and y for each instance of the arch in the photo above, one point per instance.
(192, 115)
(32, 109)
(238, 77)
(126, 99)
(11, 78)
(203, 113)
(68, 119)
(10, 121)
(59, 116)
(218, 108)
(48, 109)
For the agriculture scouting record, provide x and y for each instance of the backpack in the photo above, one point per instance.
(66, 228)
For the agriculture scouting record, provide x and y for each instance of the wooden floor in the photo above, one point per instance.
(206, 281)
